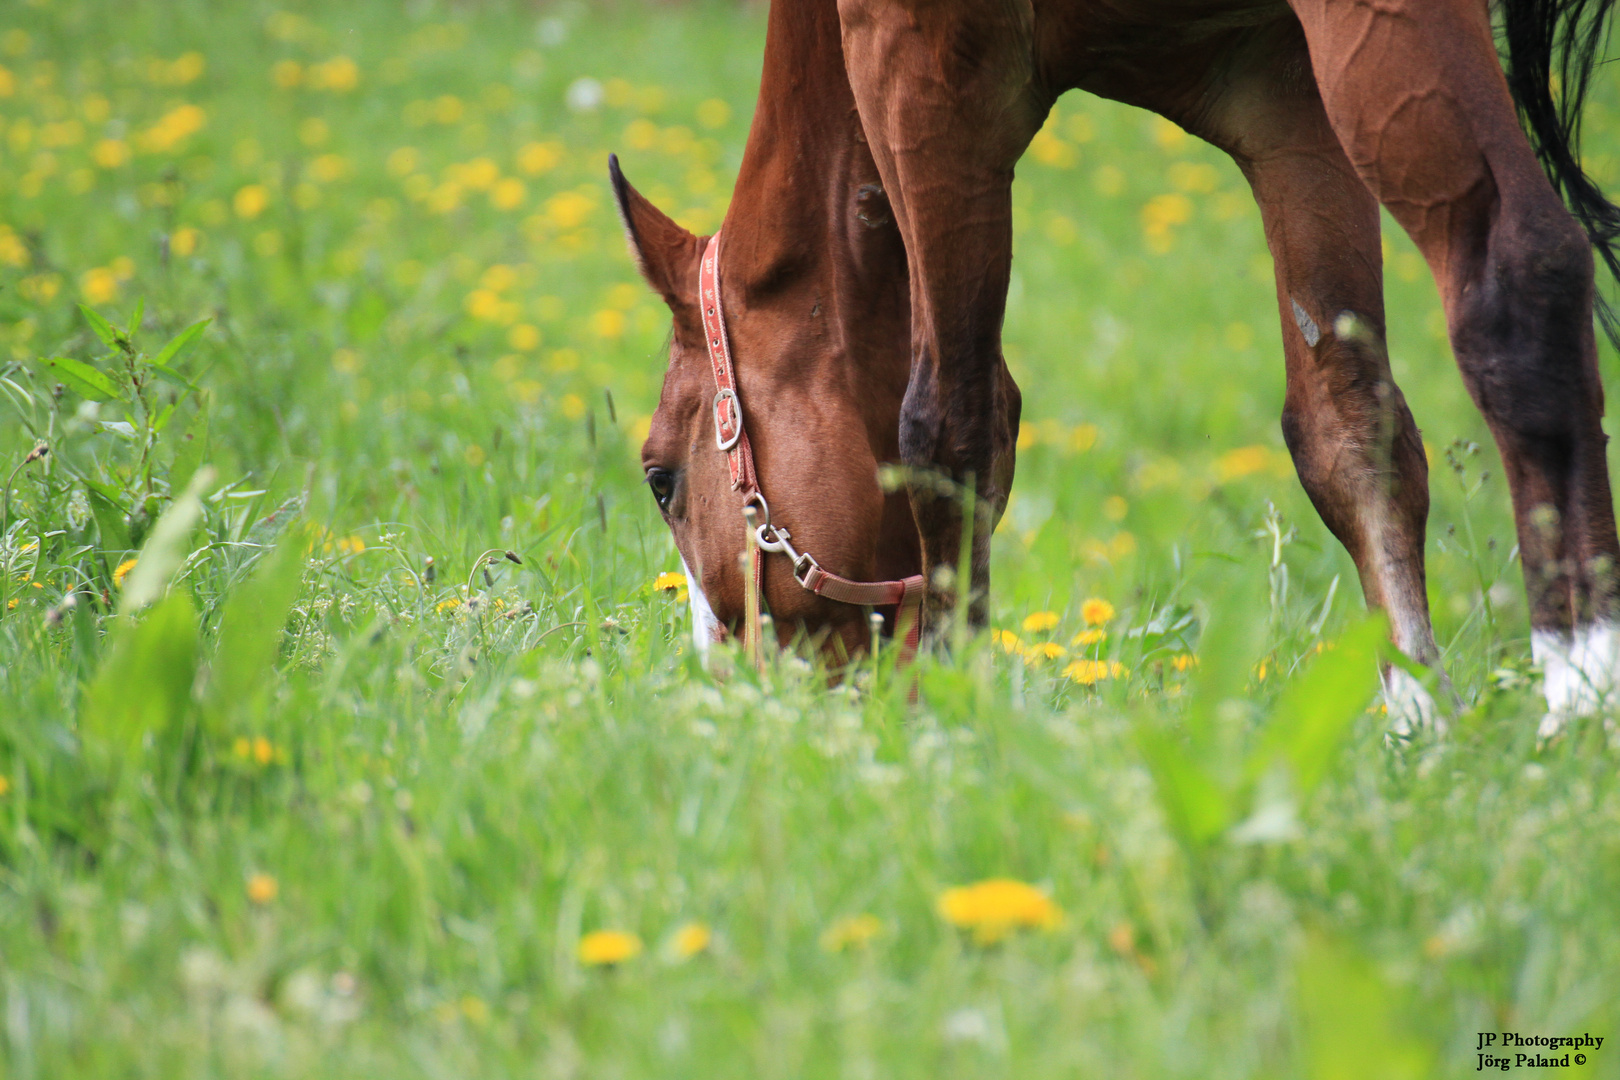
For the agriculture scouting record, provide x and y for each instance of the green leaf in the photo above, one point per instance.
(134, 324)
(1316, 710)
(109, 515)
(1354, 1020)
(104, 329)
(174, 378)
(144, 683)
(165, 548)
(190, 449)
(84, 380)
(167, 354)
(250, 628)
(1197, 807)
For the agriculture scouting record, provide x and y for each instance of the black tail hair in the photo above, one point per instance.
(1563, 40)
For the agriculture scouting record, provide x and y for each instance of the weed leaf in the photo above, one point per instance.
(1316, 710)
(84, 380)
(165, 548)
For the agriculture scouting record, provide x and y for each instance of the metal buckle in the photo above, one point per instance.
(802, 566)
(736, 410)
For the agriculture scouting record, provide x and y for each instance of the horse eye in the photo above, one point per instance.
(662, 482)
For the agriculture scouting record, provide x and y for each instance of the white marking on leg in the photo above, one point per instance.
(705, 627)
(1578, 672)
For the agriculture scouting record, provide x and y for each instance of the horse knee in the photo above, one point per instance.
(1522, 329)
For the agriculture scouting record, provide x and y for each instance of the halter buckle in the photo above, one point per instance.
(720, 438)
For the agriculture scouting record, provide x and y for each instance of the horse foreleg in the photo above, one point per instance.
(1354, 443)
(1416, 95)
(944, 97)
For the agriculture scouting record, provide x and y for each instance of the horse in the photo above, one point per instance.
(864, 261)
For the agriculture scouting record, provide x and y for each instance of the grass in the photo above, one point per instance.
(325, 785)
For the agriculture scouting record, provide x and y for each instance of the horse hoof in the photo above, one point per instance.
(1412, 709)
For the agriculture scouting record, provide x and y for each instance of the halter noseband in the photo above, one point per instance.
(731, 437)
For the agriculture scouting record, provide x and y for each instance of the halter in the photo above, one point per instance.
(731, 437)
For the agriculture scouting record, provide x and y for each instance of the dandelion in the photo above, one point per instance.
(994, 908)
(1241, 462)
(669, 581)
(262, 888)
(851, 932)
(573, 406)
(1009, 642)
(287, 74)
(5, 785)
(608, 323)
(508, 194)
(100, 286)
(1090, 636)
(1096, 611)
(1040, 653)
(110, 153)
(690, 939)
(537, 158)
(604, 947)
(250, 201)
(1183, 661)
(122, 571)
(525, 337)
(447, 605)
(1091, 672)
(1040, 622)
(184, 241)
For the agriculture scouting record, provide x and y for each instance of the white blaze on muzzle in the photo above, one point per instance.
(705, 627)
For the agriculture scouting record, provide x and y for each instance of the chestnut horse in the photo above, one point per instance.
(865, 260)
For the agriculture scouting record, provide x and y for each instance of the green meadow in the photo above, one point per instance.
(348, 730)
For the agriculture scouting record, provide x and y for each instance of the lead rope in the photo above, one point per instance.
(731, 436)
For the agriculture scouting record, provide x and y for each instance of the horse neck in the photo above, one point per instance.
(792, 235)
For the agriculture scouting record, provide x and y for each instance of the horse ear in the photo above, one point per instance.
(666, 254)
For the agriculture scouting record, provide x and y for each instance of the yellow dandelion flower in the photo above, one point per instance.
(262, 888)
(5, 785)
(1040, 622)
(669, 581)
(1087, 672)
(447, 605)
(99, 286)
(264, 750)
(601, 947)
(1241, 462)
(1090, 636)
(851, 932)
(286, 74)
(994, 908)
(1009, 642)
(508, 193)
(524, 337)
(250, 201)
(1044, 651)
(1183, 661)
(122, 571)
(690, 939)
(110, 153)
(1096, 611)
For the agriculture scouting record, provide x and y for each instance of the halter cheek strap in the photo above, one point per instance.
(731, 437)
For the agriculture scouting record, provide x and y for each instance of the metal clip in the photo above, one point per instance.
(720, 438)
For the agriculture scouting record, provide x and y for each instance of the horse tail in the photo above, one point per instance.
(1552, 49)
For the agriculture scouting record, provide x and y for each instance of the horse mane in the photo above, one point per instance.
(1563, 39)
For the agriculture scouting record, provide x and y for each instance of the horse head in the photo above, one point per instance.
(817, 312)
